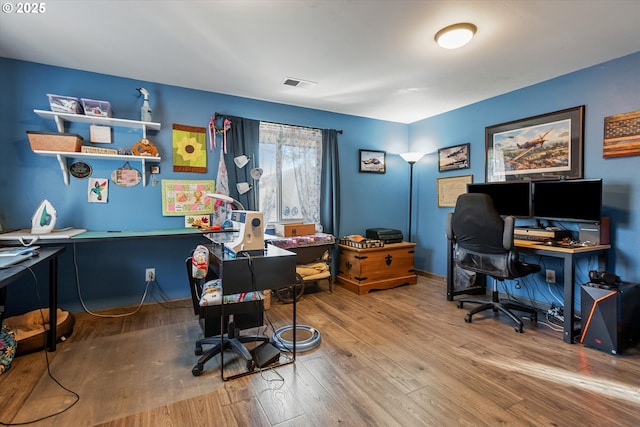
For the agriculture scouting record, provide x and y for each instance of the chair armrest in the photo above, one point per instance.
(507, 234)
(448, 227)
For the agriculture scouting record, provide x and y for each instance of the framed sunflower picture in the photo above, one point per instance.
(189, 149)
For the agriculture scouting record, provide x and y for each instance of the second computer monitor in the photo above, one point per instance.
(510, 198)
(568, 200)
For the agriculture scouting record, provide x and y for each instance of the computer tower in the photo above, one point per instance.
(610, 316)
(595, 233)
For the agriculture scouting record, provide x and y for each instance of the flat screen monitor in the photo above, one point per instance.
(571, 200)
(510, 198)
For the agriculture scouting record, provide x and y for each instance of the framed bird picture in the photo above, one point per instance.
(98, 190)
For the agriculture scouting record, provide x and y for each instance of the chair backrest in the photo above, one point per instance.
(483, 240)
(195, 285)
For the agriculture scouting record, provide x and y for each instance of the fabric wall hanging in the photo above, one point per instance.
(189, 149)
(187, 197)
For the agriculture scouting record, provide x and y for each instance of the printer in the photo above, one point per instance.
(386, 235)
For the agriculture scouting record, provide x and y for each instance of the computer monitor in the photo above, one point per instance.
(570, 200)
(510, 198)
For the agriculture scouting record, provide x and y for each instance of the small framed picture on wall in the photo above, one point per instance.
(454, 158)
(372, 161)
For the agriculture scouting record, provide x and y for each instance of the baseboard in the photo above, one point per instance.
(429, 275)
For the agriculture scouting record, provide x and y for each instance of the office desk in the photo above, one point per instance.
(8, 275)
(569, 256)
(275, 268)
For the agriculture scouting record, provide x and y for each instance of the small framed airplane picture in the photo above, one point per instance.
(549, 146)
(373, 161)
(454, 158)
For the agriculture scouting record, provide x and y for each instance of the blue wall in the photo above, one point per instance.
(112, 274)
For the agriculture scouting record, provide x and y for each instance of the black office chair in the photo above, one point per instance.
(483, 243)
(237, 316)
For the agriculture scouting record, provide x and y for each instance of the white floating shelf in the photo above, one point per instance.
(62, 157)
(60, 118)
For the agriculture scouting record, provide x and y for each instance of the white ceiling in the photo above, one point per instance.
(373, 58)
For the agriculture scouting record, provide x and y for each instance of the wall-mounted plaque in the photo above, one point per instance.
(80, 170)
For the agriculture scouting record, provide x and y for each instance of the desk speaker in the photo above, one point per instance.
(610, 317)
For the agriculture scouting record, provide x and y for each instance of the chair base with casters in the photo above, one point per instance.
(496, 305)
(223, 337)
(232, 340)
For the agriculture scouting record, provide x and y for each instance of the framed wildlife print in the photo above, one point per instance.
(549, 146)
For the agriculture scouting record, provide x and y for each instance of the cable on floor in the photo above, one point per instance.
(46, 356)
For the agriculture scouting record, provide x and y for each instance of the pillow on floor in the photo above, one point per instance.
(7, 347)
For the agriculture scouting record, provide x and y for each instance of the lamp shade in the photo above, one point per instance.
(256, 173)
(243, 187)
(412, 157)
(455, 36)
(241, 161)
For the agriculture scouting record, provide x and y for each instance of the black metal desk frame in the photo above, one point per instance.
(10, 274)
(276, 268)
(569, 257)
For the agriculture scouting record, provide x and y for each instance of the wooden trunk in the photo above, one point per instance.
(361, 270)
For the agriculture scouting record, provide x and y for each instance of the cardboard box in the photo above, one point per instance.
(295, 229)
(54, 141)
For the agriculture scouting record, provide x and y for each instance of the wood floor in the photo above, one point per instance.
(398, 357)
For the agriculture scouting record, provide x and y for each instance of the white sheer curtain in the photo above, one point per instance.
(290, 157)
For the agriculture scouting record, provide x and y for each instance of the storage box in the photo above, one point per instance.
(54, 141)
(64, 104)
(295, 229)
(93, 107)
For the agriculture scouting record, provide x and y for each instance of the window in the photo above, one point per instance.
(291, 160)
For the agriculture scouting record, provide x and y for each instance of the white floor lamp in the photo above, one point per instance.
(411, 158)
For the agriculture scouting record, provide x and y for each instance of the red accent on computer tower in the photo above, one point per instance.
(610, 317)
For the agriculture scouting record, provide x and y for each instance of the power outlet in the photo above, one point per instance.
(150, 274)
(551, 276)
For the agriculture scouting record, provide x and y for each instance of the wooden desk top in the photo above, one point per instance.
(532, 244)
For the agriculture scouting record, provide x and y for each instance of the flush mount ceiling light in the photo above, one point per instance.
(455, 36)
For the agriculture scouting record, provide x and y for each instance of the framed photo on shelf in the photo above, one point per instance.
(450, 188)
(372, 161)
(454, 158)
(549, 146)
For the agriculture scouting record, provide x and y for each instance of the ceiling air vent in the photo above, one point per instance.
(304, 84)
